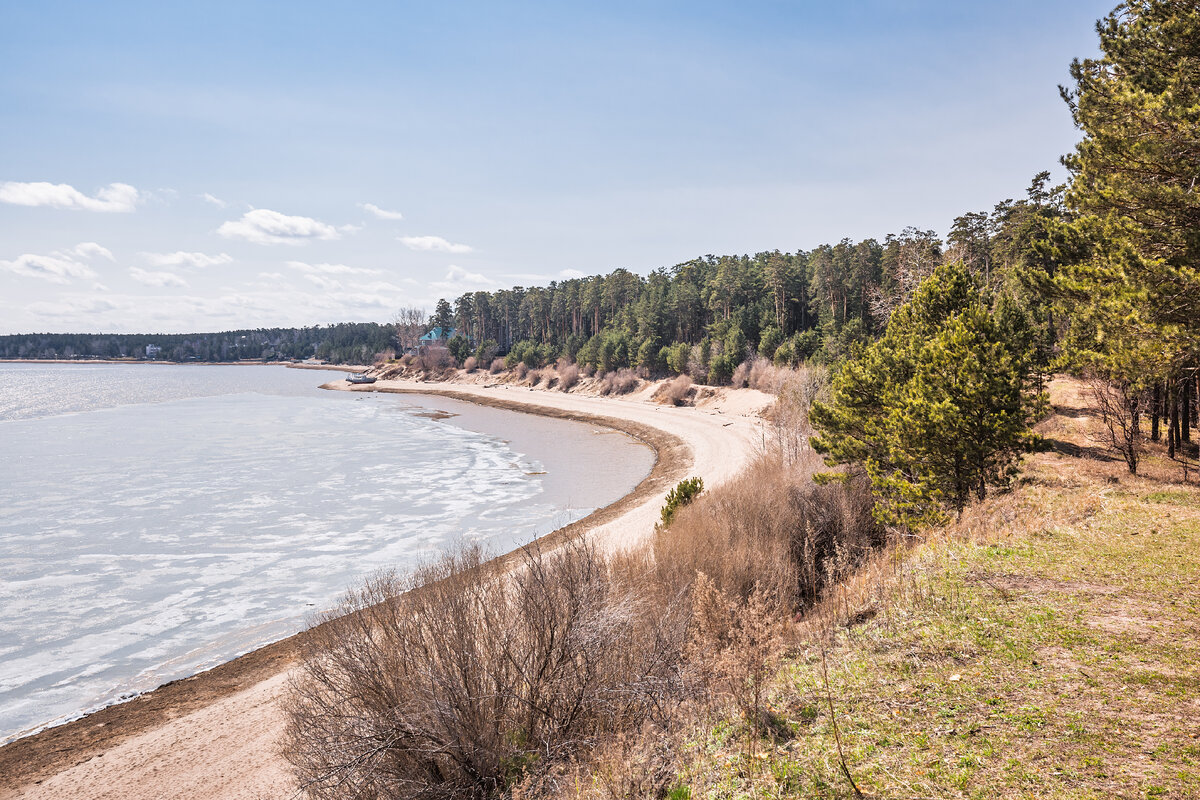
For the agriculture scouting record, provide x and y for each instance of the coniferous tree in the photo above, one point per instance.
(938, 409)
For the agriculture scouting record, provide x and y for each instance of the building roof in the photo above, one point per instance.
(438, 334)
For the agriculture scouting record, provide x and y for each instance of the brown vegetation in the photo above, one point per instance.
(457, 682)
(621, 381)
(460, 681)
(675, 392)
(568, 375)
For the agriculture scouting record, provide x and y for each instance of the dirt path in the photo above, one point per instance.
(216, 735)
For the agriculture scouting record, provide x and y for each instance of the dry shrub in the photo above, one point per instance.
(676, 392)
(520, 370)
(459, 682)
(741, 376)
(534, 376)
(568, 375)
(471, 364)
(587, 370)
(735, 644)
(622, 381)
(497, 366)
(795, 391)
(772, 527)
(433, 358)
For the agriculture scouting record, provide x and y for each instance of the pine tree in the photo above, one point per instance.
(937, 410)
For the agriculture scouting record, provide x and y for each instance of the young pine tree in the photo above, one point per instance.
(937, 410)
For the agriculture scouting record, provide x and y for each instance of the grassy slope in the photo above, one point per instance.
(1047, 645)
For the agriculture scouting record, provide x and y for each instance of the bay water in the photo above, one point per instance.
(157, 520)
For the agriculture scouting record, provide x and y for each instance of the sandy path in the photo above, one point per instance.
(225, 745)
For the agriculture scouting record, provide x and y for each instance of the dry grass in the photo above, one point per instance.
(568, 375)
(622, 381)
(1047, 644)
(676, 392)
(457, 682)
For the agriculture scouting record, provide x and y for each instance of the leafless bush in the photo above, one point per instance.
(774, 528)
(471, 364)
(497, 366)
(795, 391)
(1120, 406)
(520, 370)
(458, 682)
(741, 376)
(568, 375)
(436, 358)
(675, 391)
(587, 370)
(622, 381)
(735, 643)
(534, 376)
(695, 364)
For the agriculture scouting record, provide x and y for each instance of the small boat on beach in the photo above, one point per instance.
(359, 377)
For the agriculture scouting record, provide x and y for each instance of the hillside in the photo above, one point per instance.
(1045, 645)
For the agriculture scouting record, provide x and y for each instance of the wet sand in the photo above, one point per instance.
(216, 734)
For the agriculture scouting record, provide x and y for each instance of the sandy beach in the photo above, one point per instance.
(217, 734)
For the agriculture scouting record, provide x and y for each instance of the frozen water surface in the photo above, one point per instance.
(158, 520)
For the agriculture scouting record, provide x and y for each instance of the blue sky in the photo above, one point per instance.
(186, 167)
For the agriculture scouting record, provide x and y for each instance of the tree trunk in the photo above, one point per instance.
(1172, 421)
(1155, 410)
(1185, 417)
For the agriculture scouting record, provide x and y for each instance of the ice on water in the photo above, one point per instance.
(155, 521)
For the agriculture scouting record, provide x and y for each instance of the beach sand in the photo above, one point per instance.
(217, 734)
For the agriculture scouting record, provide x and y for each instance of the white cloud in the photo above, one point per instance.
(60, 266)
(433, 243)
(91, 249)
(216, 201)
(160, 279)
(331, 269)
(263, 226)
(328, 284)
(379, 212)
(459, 280)
(536, 278)
(116, 197)
(182, 259)
(56, 268)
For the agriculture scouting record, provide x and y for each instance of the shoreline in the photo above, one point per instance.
(216, 733)
(32, 760)
(147, 362)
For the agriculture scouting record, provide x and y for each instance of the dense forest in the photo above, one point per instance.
(352, 343)
(707, 315)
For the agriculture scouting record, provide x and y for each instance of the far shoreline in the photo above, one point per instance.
(35, 757)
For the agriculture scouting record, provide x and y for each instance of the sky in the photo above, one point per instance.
(189, 167)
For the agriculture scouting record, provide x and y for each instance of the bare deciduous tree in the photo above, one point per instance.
(1120, 406)
(409, 323)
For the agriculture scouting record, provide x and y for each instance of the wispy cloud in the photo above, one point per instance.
(156, 278)
(433, 243)
(216, 201)
(459, 280)
(116, 197)
(331, 269)
(60, 266)
(381, 213)
(91, 250)
(182, 259)
(263, 226)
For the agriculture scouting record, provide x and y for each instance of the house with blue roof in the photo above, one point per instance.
(436, 336)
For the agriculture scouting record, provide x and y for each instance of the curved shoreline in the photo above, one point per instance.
(28, 761)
